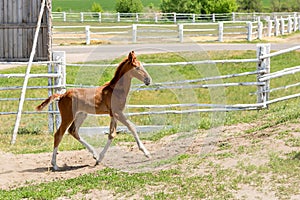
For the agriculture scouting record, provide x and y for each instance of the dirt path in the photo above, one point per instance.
(18, 170)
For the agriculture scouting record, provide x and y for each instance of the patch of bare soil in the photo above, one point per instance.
(19, 170)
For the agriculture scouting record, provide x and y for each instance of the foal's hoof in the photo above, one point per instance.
(148, 155)
(97, 162)
(95, 157)
(55, 168)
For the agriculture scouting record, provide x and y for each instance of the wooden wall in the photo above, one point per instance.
(18, 19)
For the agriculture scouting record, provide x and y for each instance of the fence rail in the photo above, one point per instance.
(164, 17)
(262, 74)
(217, 31)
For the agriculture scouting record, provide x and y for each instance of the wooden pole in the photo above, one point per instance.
(50, 107)
(249, 34)
(49, 22)
(282, 26)
(260, 30)
(134, 33)
(270, 24)
(263, 64)
(23, 93)
(221, 29)
(180, 30)
(276, 33)
(59, 69)
(50, 65)
(87, 35)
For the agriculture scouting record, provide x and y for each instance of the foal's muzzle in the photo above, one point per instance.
(147, 81)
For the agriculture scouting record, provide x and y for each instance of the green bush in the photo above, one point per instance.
(198, 6)
(129, 6)
(58, 9)
(96, 7)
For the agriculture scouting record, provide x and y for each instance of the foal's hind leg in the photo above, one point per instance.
(111, 136)
(66, 121)
(74, 128)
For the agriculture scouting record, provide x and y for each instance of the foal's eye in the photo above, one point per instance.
(137, 68)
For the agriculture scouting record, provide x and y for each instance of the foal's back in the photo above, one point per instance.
(89, 100)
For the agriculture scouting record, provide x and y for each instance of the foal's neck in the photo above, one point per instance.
(122, 86)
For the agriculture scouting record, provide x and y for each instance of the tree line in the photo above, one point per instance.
(206, 6)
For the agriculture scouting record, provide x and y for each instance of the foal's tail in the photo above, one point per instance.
(47, 101)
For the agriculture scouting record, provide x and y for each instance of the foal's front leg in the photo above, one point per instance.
(111, 136)
(121, 117)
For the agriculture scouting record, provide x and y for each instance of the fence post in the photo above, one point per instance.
(118, 17)
(249, 35)
(194, 18)
(233, 16)
(174, 18)
(134, 33)
(295, 22)
(137, 16)
(254, 16)
(282, 26)
(59, 68)
(156, 18)
(221, 29)
(81, 17)
(276, 33)
(289, 30)
(299, 23)
(50, 93)
(259, 30)
(100, 17)
(180, 30)
(213, 17)
(263, 64)
(270, 24)
(87, 35)
(64, 16)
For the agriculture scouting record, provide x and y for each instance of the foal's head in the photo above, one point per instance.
(135, 69)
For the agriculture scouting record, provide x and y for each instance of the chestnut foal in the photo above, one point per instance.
(75, 104)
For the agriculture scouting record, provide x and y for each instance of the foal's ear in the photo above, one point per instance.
(131, 56)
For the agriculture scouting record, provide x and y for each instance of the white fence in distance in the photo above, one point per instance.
(218, 31)
(163, 17)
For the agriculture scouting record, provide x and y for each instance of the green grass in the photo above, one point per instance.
(86, 5)
(278, 113)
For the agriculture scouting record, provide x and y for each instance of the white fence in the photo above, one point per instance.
(262, 73)
(218, 31)
(263, 77)
(162, 17)
(56, 76)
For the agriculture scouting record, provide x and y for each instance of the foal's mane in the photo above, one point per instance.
(118, 73)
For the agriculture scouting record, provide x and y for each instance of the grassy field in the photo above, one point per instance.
(100, 75)
(191, 176)
(86, 5)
